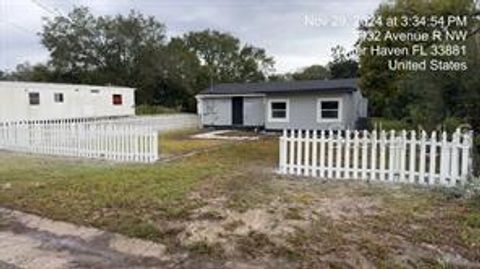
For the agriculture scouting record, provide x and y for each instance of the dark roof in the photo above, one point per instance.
(335, 85)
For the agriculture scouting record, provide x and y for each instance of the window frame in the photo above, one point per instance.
(287, 110)
(30, 98)
(114, 99)
(61, 100)
(320, 119)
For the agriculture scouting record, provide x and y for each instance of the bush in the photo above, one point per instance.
(388, 124)
(472, 191)
(476, 153)
(363, 124)
(148, 110)
(469, 192)
(450, 124)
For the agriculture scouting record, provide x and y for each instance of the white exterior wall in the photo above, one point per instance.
(79, 101)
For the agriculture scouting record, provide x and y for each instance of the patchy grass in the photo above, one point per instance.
(226, 204)
(117, 197)
(179, 142)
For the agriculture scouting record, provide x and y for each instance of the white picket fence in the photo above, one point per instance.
(97, 140)
(164, 122)
(393, 156)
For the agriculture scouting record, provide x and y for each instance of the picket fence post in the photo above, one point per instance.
(346, 171)
(314, 170)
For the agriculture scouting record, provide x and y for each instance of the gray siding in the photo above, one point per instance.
(253, 111)
(303, 111)
(361, 104)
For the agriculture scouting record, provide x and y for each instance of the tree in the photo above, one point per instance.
(27, 72)
(311, 73)
(100, 49)
(170, 76)
(278, 77)
(225, 59)
(425, 97)
(342, 65)
(133, 51)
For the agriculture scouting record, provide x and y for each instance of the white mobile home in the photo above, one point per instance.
(47, 101)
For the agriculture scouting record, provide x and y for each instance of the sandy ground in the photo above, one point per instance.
(223, 135)
(28, 241)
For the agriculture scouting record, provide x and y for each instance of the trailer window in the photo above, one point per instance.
(34, 98)
(58, 97)
(117, 99)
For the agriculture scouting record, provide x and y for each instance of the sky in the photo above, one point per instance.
(296, 33)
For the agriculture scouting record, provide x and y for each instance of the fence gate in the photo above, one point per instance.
(394, 156)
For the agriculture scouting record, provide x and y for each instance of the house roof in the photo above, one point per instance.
(334, 85)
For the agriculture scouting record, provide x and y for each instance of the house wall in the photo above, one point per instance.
(361, 104)
(217, 111)
(79, 101)
(253, 111)
(303, 111)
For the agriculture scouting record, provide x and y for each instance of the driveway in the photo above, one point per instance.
(28, 241)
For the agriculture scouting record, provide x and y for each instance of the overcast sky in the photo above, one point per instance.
(295, 33)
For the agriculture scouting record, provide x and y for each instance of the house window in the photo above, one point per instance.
(117, 99)
(329, 110)
(95, 91)
(58, 97)
(34, 98)
(278, 110)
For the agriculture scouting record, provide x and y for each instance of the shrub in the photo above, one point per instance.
(450, 124)
(389, 124)
(472, 192)
(476, 153)
(148, 110)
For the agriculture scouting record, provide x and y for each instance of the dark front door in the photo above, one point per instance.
(237, 110)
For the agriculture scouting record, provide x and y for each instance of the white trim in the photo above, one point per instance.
(228, 95)
(287, 108)
(319, 110)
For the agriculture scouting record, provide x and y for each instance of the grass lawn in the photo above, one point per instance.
(179, 142)
(225, 204)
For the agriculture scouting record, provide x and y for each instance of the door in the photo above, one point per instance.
(237, 110)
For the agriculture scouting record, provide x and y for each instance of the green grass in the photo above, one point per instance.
(147, 201)
(179, 142)
(121, 198)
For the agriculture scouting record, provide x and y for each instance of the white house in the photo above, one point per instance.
(46, 101)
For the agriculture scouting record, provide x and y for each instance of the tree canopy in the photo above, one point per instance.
(133, 51)
(425, 98)
(225, 58)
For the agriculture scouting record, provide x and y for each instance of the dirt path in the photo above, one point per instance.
(28, 241)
